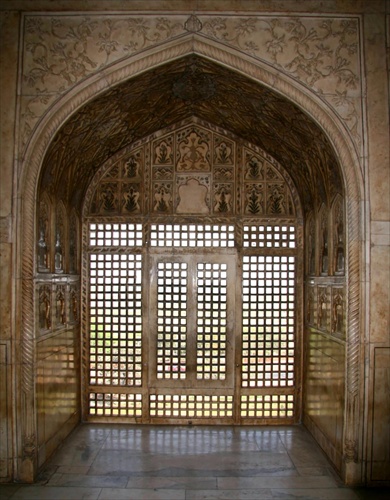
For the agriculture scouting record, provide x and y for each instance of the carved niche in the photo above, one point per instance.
(338, 244)
(324, 240)
(44, 236)
(73, 243)
(60, 306)
(337, 319)
(44, 307)
(60, 239)
(322, 314)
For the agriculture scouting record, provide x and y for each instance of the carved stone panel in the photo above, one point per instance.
(45, 307)
(194, 170)
(338, 312)
(60, 306)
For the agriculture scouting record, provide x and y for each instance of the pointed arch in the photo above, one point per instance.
(260, 72)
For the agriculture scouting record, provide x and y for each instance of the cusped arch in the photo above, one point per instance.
(263, 74)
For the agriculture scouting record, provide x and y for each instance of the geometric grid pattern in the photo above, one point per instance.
(267, 406)
(190, 406)
(268, 338)
(191, 235)
(115, 234)
(269, 236)
(171, 320)
(115, 319)
(115, 405)
(211, 321)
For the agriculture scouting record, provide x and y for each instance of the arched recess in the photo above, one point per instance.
(30, 169)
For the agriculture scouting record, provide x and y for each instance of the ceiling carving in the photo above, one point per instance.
(191, 86)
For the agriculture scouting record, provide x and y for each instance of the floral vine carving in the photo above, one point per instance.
(62, 50)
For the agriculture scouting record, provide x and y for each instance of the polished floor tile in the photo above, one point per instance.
(113, 462)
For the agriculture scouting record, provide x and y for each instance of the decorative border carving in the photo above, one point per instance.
(62, 51)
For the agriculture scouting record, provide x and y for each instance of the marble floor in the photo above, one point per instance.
(107, 462)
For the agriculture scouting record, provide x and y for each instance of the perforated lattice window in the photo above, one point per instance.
(270, 236)
(113, 404)
(267, 406)
(115, 234)
(171, 320)
(115, 319)
(211, 321)
(191, 235)
(191, 406)
(268, 339)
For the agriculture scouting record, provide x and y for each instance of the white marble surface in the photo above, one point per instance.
(102, 462)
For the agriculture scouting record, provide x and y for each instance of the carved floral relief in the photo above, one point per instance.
(44, 307)
(60, 311)
(338, 314)
(183, 187)
(193, 153)
(320, 52)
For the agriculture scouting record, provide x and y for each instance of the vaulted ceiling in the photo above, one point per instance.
(191, 86)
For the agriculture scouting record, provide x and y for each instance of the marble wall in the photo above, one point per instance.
(336, 53)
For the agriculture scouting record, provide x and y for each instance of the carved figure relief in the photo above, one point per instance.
(193, 154)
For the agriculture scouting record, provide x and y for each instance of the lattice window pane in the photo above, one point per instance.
(191, 235)
(190, 406)
(267, 406)
(115, 318)
(115, 234)
(171, 320)
(268, 339)
(269, 236)
(211, 321)
(115, 405)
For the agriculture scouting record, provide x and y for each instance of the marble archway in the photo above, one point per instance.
(260, 74)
